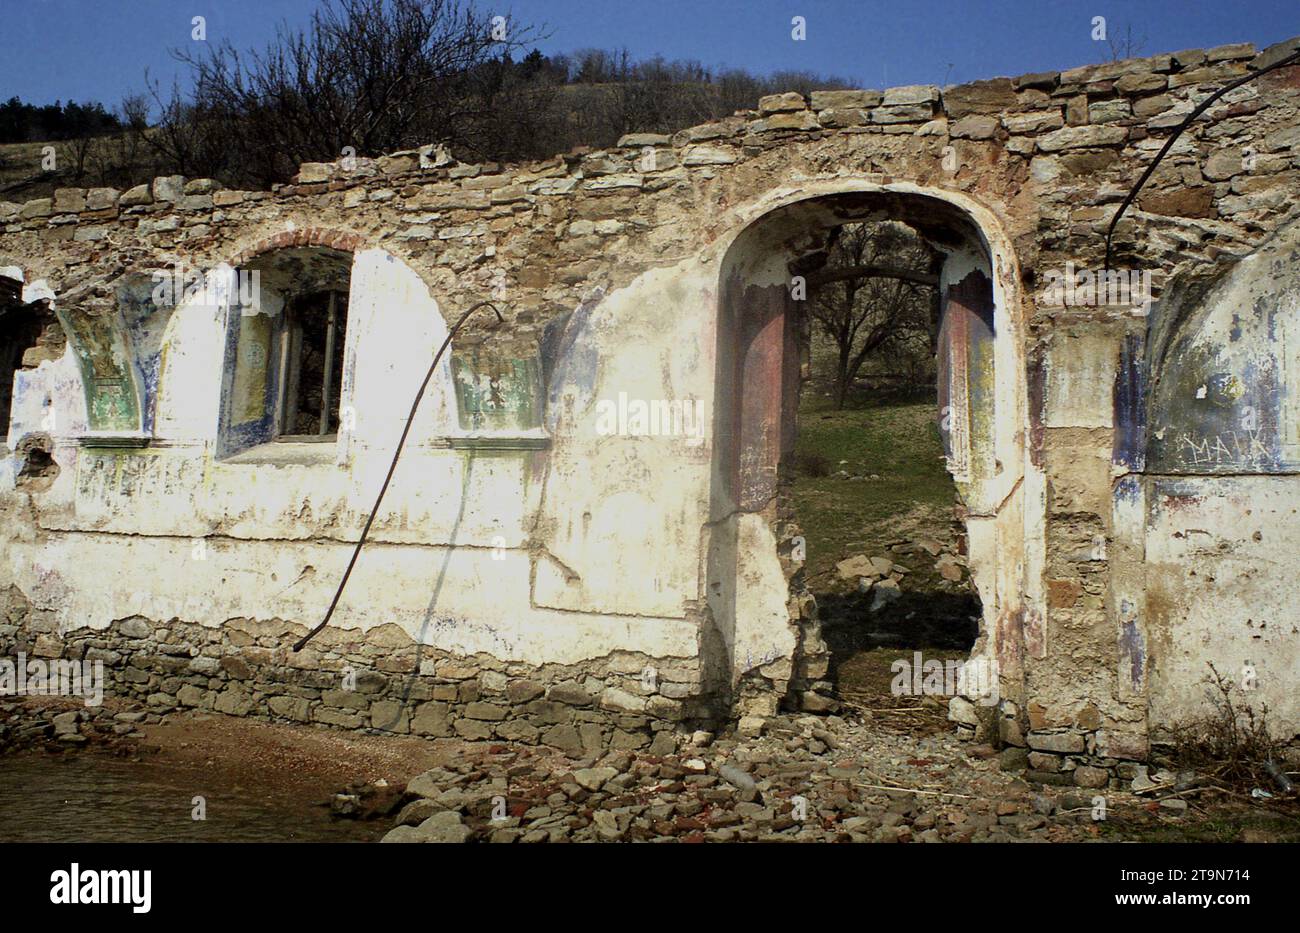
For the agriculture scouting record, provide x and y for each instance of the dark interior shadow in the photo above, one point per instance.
(914, 621)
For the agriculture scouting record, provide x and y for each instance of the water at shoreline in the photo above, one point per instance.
(94, 797)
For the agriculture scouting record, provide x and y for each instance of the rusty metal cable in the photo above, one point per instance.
(392, 467)
(1291, 59)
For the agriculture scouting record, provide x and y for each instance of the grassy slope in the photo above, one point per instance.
(914, 495)
(19, 162)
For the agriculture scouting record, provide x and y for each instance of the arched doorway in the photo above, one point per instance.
(764, 630)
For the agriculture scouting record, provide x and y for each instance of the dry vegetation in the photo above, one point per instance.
(369, 77)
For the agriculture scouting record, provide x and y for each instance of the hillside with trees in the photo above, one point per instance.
(366, 77)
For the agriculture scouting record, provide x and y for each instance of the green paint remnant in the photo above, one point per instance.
(112, 396)
(498, 394)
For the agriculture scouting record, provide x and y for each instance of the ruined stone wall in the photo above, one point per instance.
(541, 542)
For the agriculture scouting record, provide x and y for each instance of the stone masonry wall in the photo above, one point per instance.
(1049, 155)
(381, 682)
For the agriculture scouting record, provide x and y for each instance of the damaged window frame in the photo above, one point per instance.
(288, 343)
(296, 302)
(22, 324)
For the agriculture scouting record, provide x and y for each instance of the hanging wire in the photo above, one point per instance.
(1244, 79)
(392, 467)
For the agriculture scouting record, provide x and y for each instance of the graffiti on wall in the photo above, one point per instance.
(1225, 360)
(107, 478)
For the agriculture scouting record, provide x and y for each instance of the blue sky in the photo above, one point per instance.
(99, 49)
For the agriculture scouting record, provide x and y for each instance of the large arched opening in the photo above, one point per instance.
(765, 630)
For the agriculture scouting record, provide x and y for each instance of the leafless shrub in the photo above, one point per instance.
(1126, 46)
(812, 464)
(1233, 744)
(370, 76)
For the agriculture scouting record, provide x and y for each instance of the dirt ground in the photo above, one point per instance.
(888, 769)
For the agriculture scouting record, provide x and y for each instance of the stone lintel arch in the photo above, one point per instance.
(756, 391)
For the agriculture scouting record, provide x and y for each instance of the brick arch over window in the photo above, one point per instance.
(396, 301)
(303, 236)
(331, 238)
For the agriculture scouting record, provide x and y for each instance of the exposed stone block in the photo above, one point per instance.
(845, 100)
(975, 127)
(390, 715)
(709, 155)
(1233, 52)
(168, 187)
(911, 94)
(69, 200)
(980, 97)
(311, 172)
(1040, 80)
(1141, 83)
(37, 207)
(486, 711)
(781, 103)
(629, 180)
(1109, 111)
(201, 186)
(101, 199)
(841, 118)
(570, 694)
(1087, 776)
(1034, 122)
(908, 113)
(1275, 53)
(801, 121)
(708, 131)
(1181, 202)
(1222, 72)
(295, 708)
(1076, 137)
(638, 140)
(1065, 743)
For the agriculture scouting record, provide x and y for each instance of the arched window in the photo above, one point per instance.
(284, 348)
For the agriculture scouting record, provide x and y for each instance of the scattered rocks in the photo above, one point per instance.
(446, 826)
(806, 778)
(949, 569)
(854, 567)
(593, 778)
(884, 593)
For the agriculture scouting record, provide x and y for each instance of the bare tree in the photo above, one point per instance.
(1126, 46)
(116, 159)
(873, 295)
(366, 76)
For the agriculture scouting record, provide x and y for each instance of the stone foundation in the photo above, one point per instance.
(382, 683)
